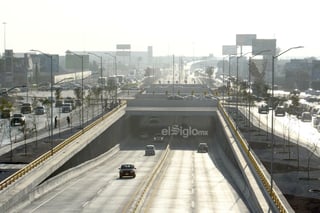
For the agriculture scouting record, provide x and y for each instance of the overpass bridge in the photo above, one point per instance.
(82, 175)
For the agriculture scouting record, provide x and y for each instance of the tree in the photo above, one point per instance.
(209, 71)
(96, 91)
(5, 104)
(147, 71)
(58, 93)
(295, 100)
(78, 92)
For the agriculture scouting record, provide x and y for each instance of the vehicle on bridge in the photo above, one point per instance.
(127, 170)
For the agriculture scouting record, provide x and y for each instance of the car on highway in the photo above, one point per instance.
(202, 148)
(150, 150)
(18, 119)
(316, 121)
(58, 103)
(263, 109)
(280, 110)
(306, 117)
(66, 107)
(39, 110)
(26, 108)
(127, 170)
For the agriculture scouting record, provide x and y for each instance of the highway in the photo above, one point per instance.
(99, 189)
(177, 179)
(187, 181)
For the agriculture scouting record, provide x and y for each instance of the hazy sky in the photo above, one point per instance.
(181, 27)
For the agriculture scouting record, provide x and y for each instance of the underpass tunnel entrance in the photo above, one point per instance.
(184, 131)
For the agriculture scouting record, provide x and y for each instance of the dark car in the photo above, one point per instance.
(127, 170)
(18, 119)
(26, 108)
(280, 110)
(306, 117)
(264, 108)
(203, 148)
(150, 150)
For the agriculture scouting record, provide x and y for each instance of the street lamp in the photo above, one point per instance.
(223, 77)
(81, 57)
(249, 81)
(102, 86)
(272, 100)
(115, 72)
(237, 84)
(51, 91)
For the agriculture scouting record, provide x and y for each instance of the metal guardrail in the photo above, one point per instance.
(14, 177)
(266, 183)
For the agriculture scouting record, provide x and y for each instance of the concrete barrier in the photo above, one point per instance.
(256, 174)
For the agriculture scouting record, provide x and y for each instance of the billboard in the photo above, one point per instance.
(229, 50)
(264, 47)
(123, 53)
(245, 39)
(123, 46)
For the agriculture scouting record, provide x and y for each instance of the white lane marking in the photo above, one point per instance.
(55, 195)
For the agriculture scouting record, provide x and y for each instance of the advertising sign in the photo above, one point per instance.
(229, 50)
(123, 46)
(264, 46)
(245, 39)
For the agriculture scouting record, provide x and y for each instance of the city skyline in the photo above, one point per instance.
(189, 28)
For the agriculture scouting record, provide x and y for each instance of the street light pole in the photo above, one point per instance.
(82, 93)
(102, 84)
(272, 122)
(115, 71)
(237, 84)
(51, 91)
(249, 83)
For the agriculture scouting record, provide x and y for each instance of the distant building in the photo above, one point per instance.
(42, 67)
(77, 63)
(15, 69)
(315, 74)
(298, 74)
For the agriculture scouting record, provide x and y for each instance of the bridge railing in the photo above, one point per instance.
(255, 162)
(14, 177)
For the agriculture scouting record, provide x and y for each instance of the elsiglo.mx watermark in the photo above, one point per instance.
(185, 132)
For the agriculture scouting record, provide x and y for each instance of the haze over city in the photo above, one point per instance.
(176, 27)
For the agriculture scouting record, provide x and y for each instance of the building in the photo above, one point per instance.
(15, 69)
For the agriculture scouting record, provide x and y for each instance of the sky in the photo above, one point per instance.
(180, 27)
